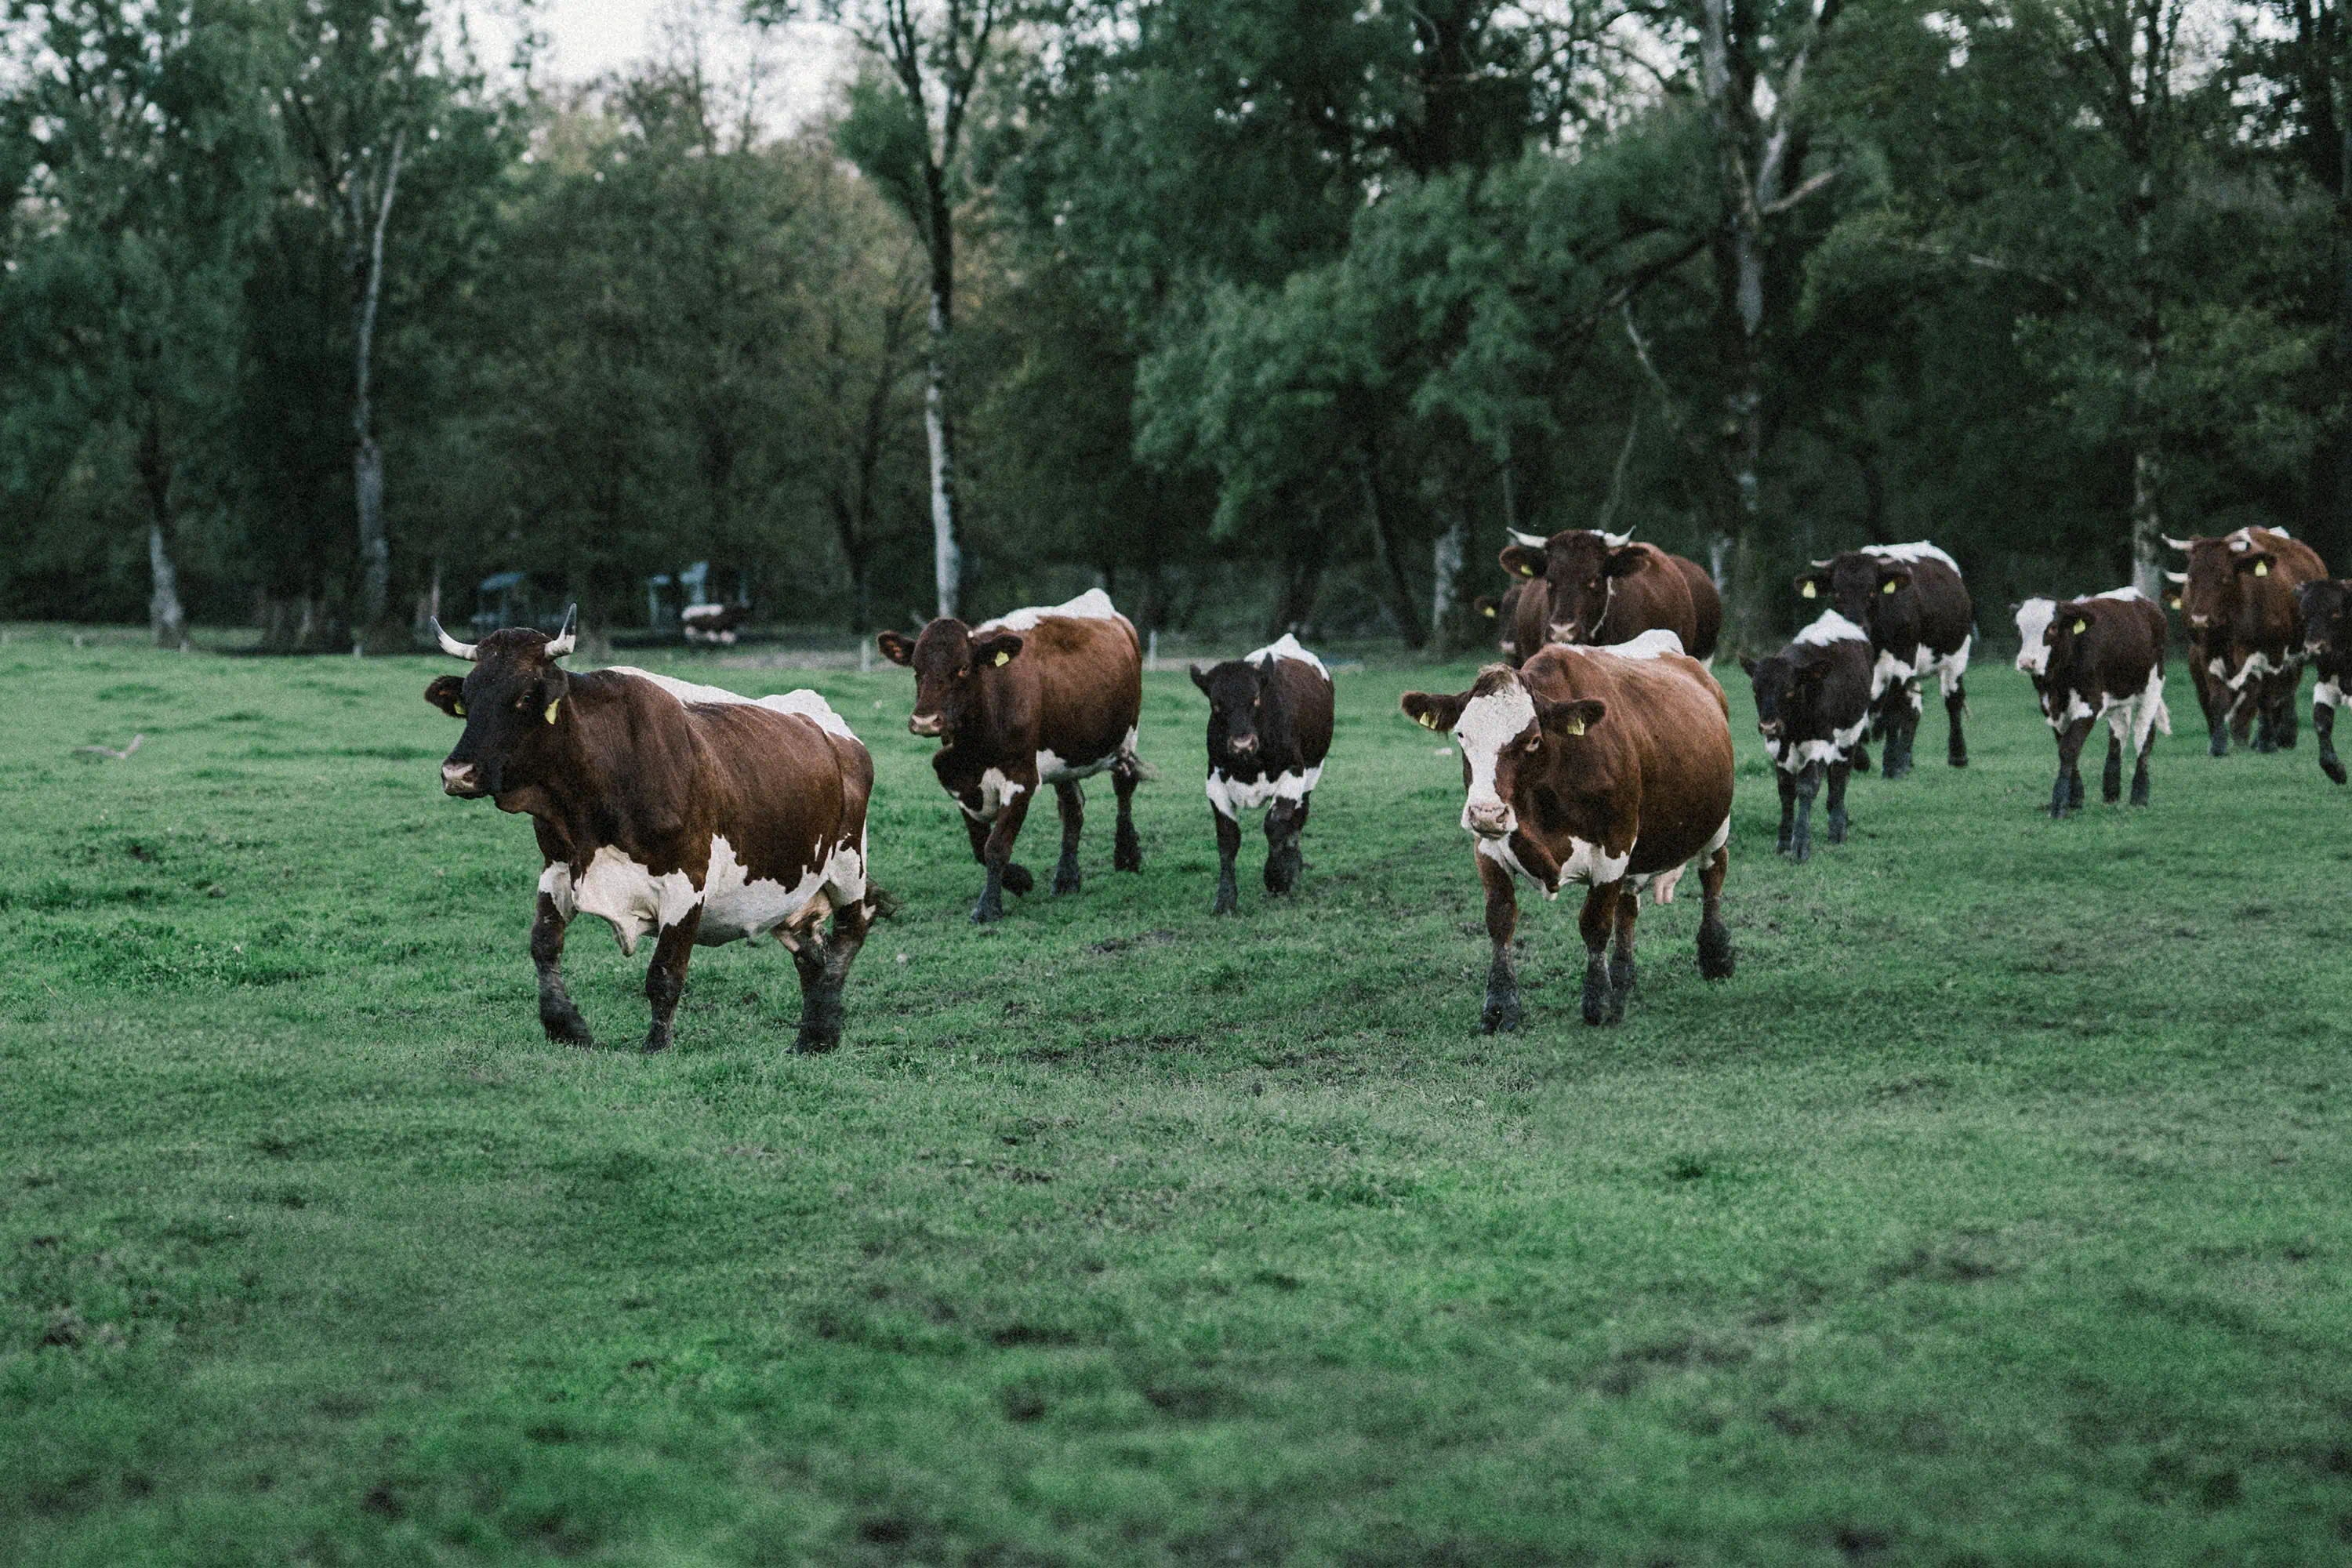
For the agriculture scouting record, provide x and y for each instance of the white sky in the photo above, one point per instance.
(590, 38)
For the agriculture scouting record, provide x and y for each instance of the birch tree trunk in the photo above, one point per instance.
(367, 456)
(1445, 572)
(1392, 561)
(166, 620)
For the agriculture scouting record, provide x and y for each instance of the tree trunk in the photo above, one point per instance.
(1445, 570)
(2147, 546)
(367, 456)
(166, 620)
(938, 428)
(1302, 575)
(1391, 559)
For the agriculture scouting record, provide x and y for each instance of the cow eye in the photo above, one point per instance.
(1534, 742)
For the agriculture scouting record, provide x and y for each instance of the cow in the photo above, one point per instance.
(713, 623)
(1812, 705)
(2326, 606)
(1913, 602)
(669, 808)
(1583, 586)
(2245, 631)
(2093, 659)
(1269, 731)
(1607, 767)
(1038, 697)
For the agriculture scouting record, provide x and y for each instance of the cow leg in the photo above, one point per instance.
(2323, 700)
(823, 963)
(1620, 959)
(997, 855)
(1956, 702)
(1714, 956)
(665, 978)
(2245, 704)
(2067, 793)
(1285, 821)
(1599, 913)
(2258, 698)
(1072, 801)
(1229, 844)
(1907, 718)
(2285, 723)
(2213, 700)
(2111, 778)
(1127, 850)
(557, 1015)
(1809, 784)
(1016, 877)
(1838, 772)
(1787, 782)
(1501, 1008)
(1860, 754)
(2139, 773)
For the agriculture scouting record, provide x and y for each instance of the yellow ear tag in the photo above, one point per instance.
(1527, 571)
(2081, 627)
(2262, 568)
(1490, 611)
(552, 708)
(1426, 720)
(2173, 599)
(1003, 659)
(1890, 587)
(1808, 591)
(1571, 726)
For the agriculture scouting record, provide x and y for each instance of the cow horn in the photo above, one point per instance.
(2176, 577)
(451, 645)
(564, 640)
(2181, 544)
(1532, 540)
(1617, 541)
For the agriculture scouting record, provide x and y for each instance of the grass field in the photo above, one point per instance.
(1995, 1213)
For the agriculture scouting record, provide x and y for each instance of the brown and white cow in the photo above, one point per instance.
(1812, 704)
(1037, 697)
(2094, 658)
(1602, 767)
(1269, 731)
(2326, 606)
(1915, 606)
(664, 808)
(2245, 631)
(1581, 586)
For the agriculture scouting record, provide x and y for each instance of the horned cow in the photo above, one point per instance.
(1581, 587)
(2096, 658)
(1812, 705)
(2326, 606)
(1269, 730)
(1911, 601)
(671, 809)
(1040, 696)
(1607, 767)
(2245, 631)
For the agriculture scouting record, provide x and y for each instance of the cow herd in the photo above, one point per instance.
(1598, 753)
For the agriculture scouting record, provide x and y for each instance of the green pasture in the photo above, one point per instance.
(1998, 1211)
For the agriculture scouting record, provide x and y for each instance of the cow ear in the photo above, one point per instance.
(1570, 718)
(447, 694)
(1200, 678)
(1485, 606)
(895, 647)
(1892, 577)
(1433, 710)
(1811, 583)
(2257, 561)
(995, 649)
(1521, 562)
(1749, 665)
(1624, 562)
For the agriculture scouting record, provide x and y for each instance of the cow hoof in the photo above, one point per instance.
(1126, 858)
(815, 1044)
(985, 914)
(1228, 902)
(571, 1031)
(1959, 759)
(2331, 768)
(656, 1044)
(1715, 954)
(1802, 853)
(1500, 1018)
(1017, 880)
(2221, 747)
(1066, 882)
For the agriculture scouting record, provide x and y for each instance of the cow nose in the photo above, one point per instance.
(1487, 821)
(1563, 631)
(1245, 743)
(923, 724)
(459, 778)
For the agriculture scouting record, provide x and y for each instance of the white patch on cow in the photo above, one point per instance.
(1498, 850)
(1722, 836)
(1487, 724)
(555, 881)
(1094, 605)
(1829, 626)
(2258, 663)
(2327, 694)
(803, 703)
(627, 894)
(2219, 669)
(1649, 645)
(2126, 593)
(1886, 672)
(2134, 718)
(1287, 647)
(1918, 549)
(2033, 618)
(1586, 863)
(996, 792)
(737, 905)
(1230, 798)
(1947, 667)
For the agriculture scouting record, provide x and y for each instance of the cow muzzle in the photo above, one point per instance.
(1566, 632)
(923, 724)
(1495, 821)
(462, 779)
(1768, 728)
(1243, 745)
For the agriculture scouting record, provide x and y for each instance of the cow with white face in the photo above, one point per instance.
(1608, 767)
(1269, 731)
(679, 811)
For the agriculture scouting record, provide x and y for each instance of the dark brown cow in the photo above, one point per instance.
(2245, 631)
(1598, 589)
(1269, 731)
(1604, 766)
(1040, 696)
(2100, 657)
(1812, 704)
(1912, 600)
(665, 808)
(2326, 606)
